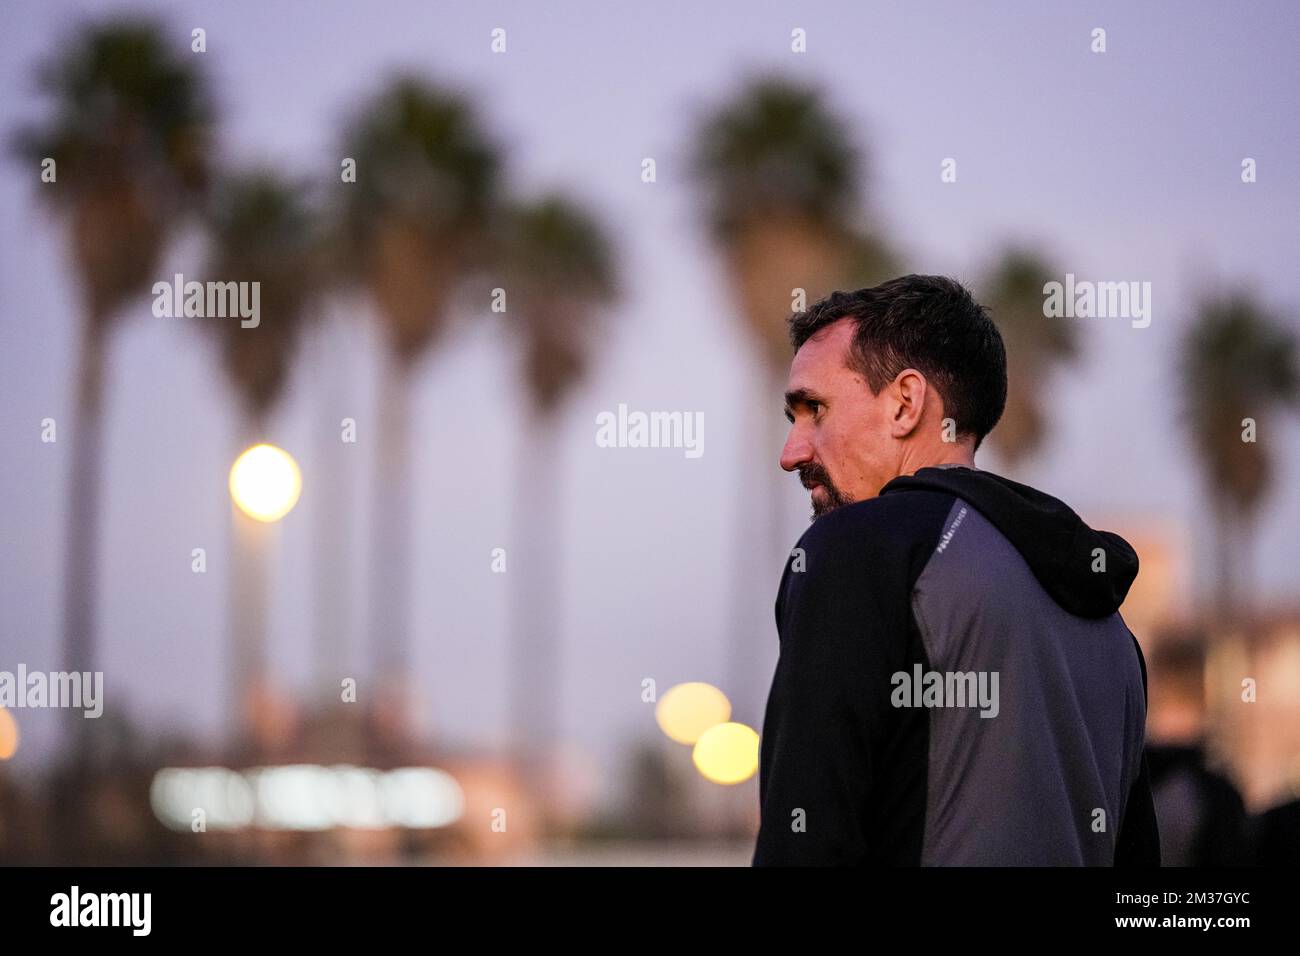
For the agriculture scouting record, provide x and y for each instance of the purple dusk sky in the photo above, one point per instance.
(1119, 166)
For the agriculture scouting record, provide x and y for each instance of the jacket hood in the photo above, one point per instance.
(1054, 541)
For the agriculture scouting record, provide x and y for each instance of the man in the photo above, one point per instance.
(955, 683)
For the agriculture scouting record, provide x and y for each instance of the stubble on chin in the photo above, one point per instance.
(830, 500)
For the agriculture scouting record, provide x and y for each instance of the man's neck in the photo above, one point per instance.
(947, 455)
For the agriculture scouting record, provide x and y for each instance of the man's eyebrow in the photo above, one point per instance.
(799, 396)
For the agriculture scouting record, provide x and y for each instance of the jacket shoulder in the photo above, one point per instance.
(887, 524)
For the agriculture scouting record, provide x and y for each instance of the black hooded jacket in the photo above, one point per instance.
(956, 686)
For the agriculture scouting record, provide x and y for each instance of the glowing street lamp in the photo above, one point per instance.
(265, 482)
(687, 710)
(8, 734)
(727, 753)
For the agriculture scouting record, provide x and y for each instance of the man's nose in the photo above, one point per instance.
(797, 450)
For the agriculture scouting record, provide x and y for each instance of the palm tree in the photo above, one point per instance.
(782, 184)
(262, 230)
(414, 221)
(1238, 362)
(129, 138)
(1035, 346)
(870, 261)
(557, 267)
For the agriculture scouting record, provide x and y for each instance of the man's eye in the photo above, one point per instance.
(814, 407)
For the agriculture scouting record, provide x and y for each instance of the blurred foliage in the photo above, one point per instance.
(1238, 361)
(131, 138)
(1035, 345)
(263, 229)
(558, 265)
(781, 180)
(416, 218)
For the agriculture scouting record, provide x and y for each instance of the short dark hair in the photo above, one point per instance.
(932, 324)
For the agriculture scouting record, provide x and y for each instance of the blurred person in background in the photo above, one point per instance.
(1202, 817)
(1276, 835)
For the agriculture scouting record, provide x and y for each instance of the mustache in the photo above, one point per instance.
(814, 474)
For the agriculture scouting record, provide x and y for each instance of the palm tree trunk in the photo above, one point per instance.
(332, 511)
(81, 551)
(251, 542)
(1224, 585)
(536, 673)
(770, 462)
(760, 541)
(1244, 526)
(390, 605)
(74, 825)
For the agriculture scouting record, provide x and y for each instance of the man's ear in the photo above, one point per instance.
(908, 393)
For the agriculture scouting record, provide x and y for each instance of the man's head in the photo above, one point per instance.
(889, 380)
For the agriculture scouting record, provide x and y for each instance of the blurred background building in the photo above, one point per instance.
(432, 620)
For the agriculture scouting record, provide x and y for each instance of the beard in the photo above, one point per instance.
(814, 474)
